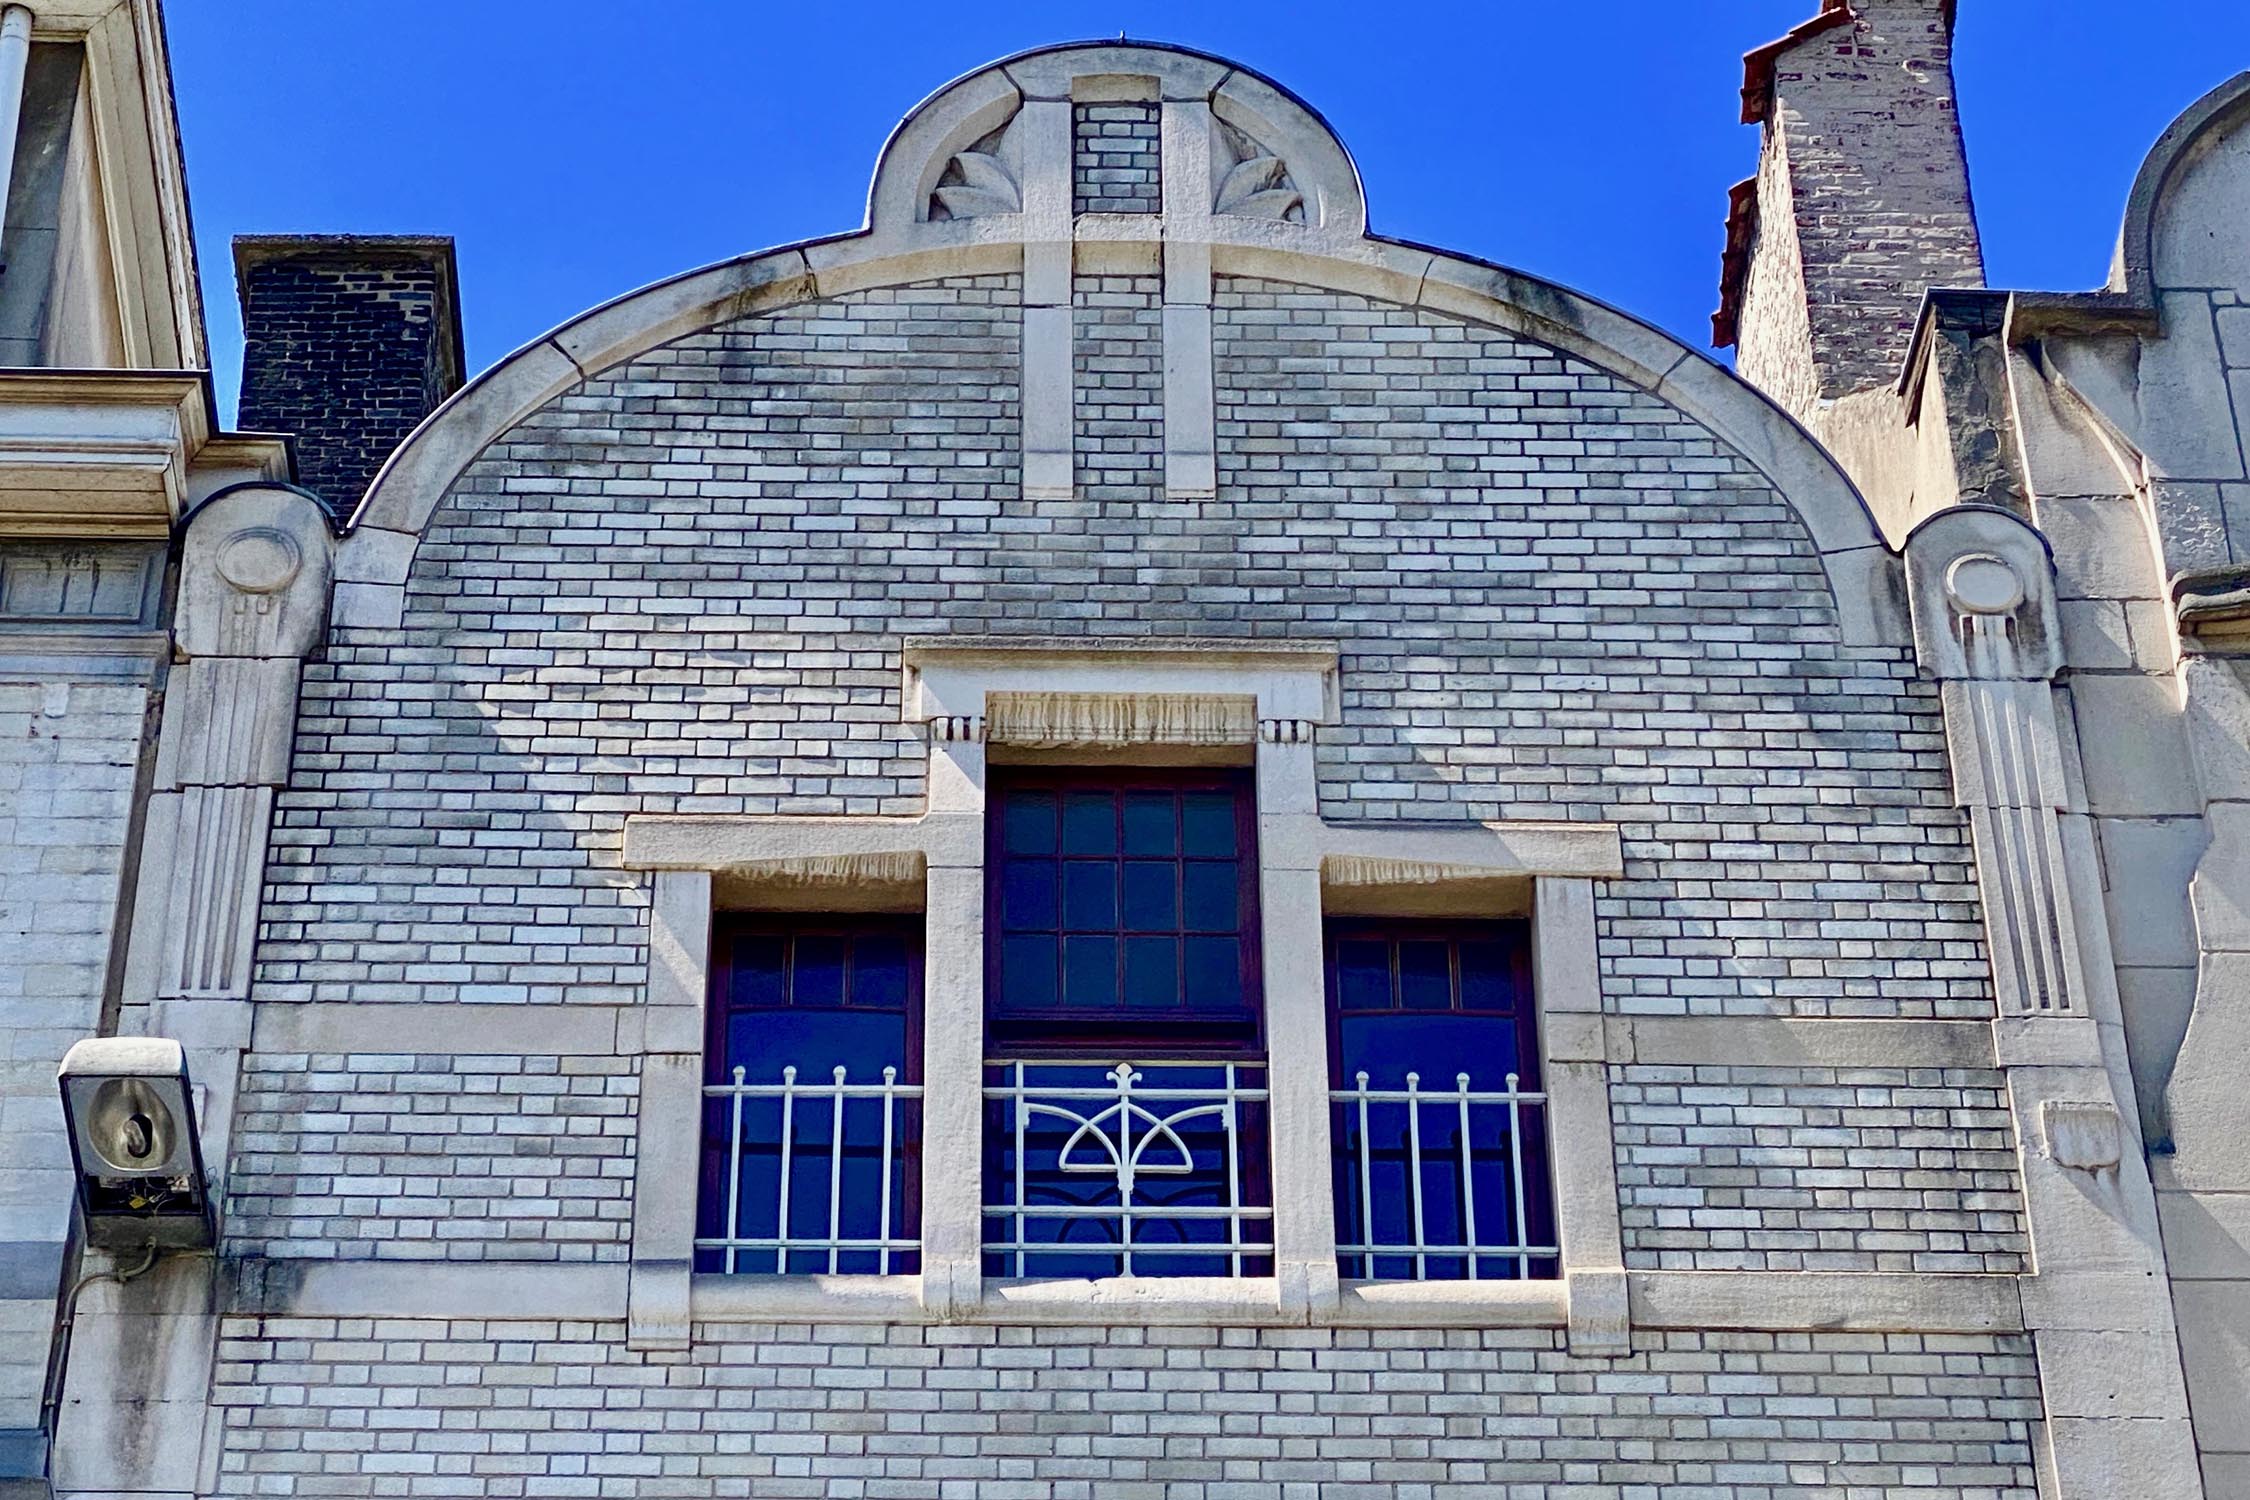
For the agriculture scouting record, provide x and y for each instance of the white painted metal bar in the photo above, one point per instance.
(1234, 1181)
(1515, 1172)
(836, 1170)
(788, 1150)
(1414, 1171)
(1469, 1172)
(734, 1171)
(1023, 1114)
(1126, 1158)
(1366, 1186)
(890, 1110)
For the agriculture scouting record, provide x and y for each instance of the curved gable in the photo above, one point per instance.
(976, 182)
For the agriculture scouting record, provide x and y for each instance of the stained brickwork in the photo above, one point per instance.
(69, 752)
(1116, 159)
(1816, 1169)
(680, 587)
(318, 1407)
(348, 342)
(434, 1157)
(1877, 183)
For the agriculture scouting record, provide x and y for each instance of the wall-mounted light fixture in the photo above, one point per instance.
(131, 1114)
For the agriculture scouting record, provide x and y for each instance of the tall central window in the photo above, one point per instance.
(1125, 1121)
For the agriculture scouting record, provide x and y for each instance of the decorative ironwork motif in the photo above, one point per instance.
(1126, 1169)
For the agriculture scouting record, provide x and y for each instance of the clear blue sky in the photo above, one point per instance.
(577, 151)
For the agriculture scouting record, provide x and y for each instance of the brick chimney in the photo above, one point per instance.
(348, 342)
(1860, 205)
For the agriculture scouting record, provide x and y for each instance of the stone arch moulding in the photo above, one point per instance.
(2200, 126)
(1330, 248)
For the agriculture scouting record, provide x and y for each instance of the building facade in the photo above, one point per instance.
(1111, 838)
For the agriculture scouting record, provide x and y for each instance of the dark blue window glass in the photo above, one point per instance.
(800, 1008)
(1121, 900)
(1434, 1038)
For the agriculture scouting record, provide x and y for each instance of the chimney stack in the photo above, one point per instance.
(1861, 202)
(348, 342)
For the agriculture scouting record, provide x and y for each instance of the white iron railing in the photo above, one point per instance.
(1503, 1234)
(782, 1243)
(1122, 1139)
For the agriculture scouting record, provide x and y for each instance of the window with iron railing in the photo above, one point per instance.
(1125, 1097)
(1440, 1128)
(812, 1097)
(1126, 1127)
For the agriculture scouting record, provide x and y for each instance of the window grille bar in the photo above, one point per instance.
(890, 1111)
(1467, 1105)
(779, 1240)
(734, 1169)
(836, 1170)
(788, 1151)
(1366, 1186)
(1515, 1169)
(1234, 1182)
(1023, 1114)
(1414, 1175)
(1469, 1170)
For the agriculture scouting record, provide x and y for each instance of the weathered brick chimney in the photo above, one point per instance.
(348, 342)
(1860, 205)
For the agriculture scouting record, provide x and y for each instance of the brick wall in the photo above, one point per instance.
(1117, 159)
(1817, 1169)
(1118, 336)
(434, 1157)
(318, 1407)
(348, 342)
(1878, 182)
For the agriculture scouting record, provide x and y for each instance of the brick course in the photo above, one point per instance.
(1117, 159)
(433, 1157)
(1817, 1169)
(320, 1407)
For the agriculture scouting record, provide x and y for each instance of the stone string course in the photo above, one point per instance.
(1117, 159)
(460, 1158)
(357, 1407)
(1817, 1169)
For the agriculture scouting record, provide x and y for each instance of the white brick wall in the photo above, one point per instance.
(1817, 1169)
(317, 1407)
(405, 1157)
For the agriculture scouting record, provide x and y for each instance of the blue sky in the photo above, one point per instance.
(576, 151)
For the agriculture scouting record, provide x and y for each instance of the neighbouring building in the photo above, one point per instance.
(1113, 840)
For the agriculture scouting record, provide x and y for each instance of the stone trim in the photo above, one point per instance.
(1768, 1301)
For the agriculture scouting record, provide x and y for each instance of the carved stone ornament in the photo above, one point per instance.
(254, 575)
(1257, 185)
(978, 181)
(957, 729)
(1982, 589)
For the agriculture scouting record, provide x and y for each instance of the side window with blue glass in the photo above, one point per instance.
(811, 1116)
(1441, 1126)
(1125, 1094)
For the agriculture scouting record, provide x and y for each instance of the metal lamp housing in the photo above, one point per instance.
(131, 1114)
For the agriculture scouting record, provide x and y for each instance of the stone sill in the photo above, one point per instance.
(1162, 1301)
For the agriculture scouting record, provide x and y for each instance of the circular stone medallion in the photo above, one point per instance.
(1982, 584)
(260, 560)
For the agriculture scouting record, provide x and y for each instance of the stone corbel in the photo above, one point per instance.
(254, 581)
